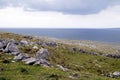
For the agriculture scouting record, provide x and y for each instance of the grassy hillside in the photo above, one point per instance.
(80, 66)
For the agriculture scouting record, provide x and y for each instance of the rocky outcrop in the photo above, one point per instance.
(9, 46)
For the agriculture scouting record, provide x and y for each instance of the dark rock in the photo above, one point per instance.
(73, 49)
(51, 44)
(48, 43)
(112, 55)
(27, 37)
(6, 61)
(42, 54)
(87, 52)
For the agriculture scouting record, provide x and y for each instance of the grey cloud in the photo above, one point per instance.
(64, 6)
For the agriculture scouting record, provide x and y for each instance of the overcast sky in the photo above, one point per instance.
(60, 13)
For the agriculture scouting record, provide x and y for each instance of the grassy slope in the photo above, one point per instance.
(87, 67)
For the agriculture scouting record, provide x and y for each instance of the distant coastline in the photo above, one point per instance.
(103, 35)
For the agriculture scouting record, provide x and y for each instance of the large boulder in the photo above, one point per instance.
(42, 54)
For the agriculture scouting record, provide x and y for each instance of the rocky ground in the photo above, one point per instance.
(24, 57)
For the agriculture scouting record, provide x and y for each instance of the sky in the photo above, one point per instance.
(60, 13)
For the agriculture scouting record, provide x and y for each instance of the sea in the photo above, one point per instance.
(109, 35)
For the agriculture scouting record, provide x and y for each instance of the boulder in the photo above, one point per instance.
(43, 62)
(21, 57)
(51, 44)
(116, 74)
(29, 61)
(23, 42)
(42, 54)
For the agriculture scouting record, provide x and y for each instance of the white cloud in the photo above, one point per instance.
(17, 17)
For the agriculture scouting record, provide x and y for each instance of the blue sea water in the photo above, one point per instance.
(103, 35)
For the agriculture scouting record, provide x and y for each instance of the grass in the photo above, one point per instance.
(87, 67)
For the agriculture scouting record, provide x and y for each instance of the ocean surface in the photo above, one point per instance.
(102, 35)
